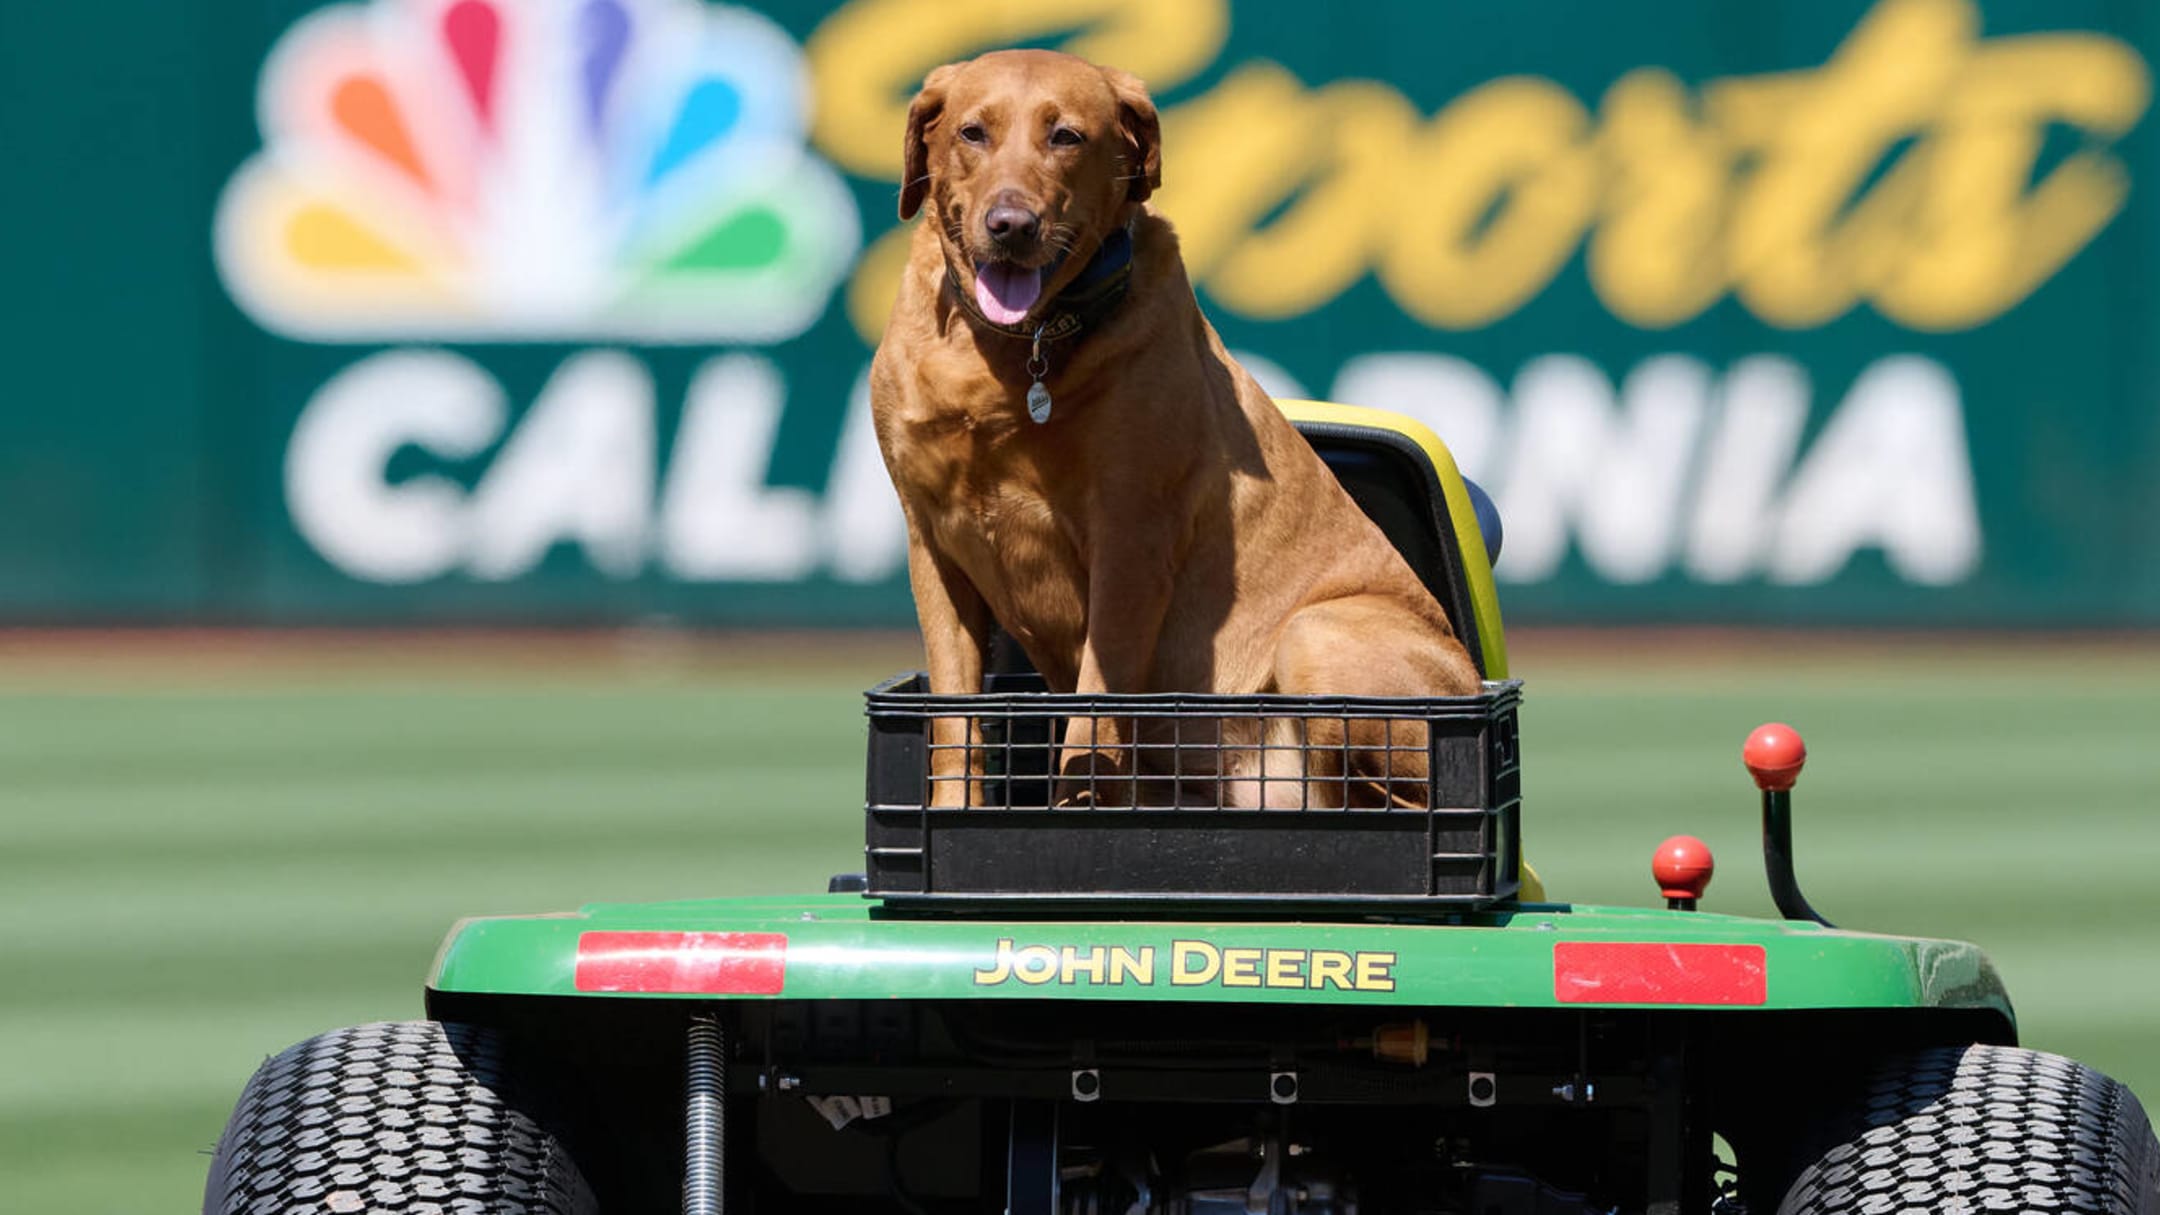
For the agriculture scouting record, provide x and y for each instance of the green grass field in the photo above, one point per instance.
(204, 861)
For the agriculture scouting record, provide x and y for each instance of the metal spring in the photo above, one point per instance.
(705, 1118)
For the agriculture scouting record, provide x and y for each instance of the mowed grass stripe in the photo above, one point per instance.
(405, 812)
(333, 907)
(242, 737)
(337, 901)
(1952, 768)
(145, 1156)
(189, 1052)
(93, 980)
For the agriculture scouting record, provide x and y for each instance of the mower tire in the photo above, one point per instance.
(1982, 1128)
(410, 1118)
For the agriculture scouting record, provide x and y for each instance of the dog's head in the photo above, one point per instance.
(1028, 159)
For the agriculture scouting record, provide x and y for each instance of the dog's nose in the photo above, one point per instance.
(1009, 224)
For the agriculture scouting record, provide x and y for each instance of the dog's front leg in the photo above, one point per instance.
(956, 640)
(1128, 594)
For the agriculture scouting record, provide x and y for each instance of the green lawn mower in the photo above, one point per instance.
(1140, 1004)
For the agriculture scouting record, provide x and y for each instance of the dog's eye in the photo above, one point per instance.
(974, 133)
(1066, 137)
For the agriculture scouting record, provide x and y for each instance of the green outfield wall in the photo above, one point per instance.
(558, 311)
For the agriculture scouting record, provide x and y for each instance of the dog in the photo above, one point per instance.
(1080, 461)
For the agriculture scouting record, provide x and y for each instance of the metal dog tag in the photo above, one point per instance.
(1038, 397)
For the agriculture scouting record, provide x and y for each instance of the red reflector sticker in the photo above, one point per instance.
(683, 963)
(1649, 972)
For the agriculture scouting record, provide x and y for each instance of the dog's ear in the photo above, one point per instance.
(1142, 129)
(922, 114)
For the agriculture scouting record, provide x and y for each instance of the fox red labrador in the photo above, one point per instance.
(1080, 461)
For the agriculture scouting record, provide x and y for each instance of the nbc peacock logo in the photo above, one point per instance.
(535, 170)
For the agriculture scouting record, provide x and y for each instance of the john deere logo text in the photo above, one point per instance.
(1189, 964)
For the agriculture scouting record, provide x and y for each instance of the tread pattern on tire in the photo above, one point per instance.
(1985, 1129)
(405, 1117)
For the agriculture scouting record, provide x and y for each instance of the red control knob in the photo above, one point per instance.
(1774, 755)
(1683, 867)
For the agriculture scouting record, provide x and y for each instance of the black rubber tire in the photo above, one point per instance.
(407, 1117)
(1983, 1128)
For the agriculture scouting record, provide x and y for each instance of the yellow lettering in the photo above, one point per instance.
(1286, 968)
(1981, 235)
(1241, 967)
(1818, 136)
(868, 58)
(1504, 184)
(1334, 156)
(1656, 258)
(1138, 966)
(1000, 969)
(1331, 967)
(1239, 148)
(1094, 964)
(1035, 964)
(1898, 173)
(1375, 972)
(1193, 963)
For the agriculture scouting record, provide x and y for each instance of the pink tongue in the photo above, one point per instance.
(1005, 292)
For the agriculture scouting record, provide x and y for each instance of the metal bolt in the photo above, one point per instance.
(1484, 1089)
(1283, 1088)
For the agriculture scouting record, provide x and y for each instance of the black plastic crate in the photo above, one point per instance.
(1163, 833)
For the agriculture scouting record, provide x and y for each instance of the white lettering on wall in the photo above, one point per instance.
(1608, 473)
(336, 482)
(1676, 472)
(578, 470)
(1681, 472)
(719, 520)
(1890, 472)
(1762, 407)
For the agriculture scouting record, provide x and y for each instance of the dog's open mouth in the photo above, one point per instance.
(1005, 290)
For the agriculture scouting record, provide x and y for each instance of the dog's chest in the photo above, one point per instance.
(946, 448)
(990, 499)
(977, 463)
(998, 513)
